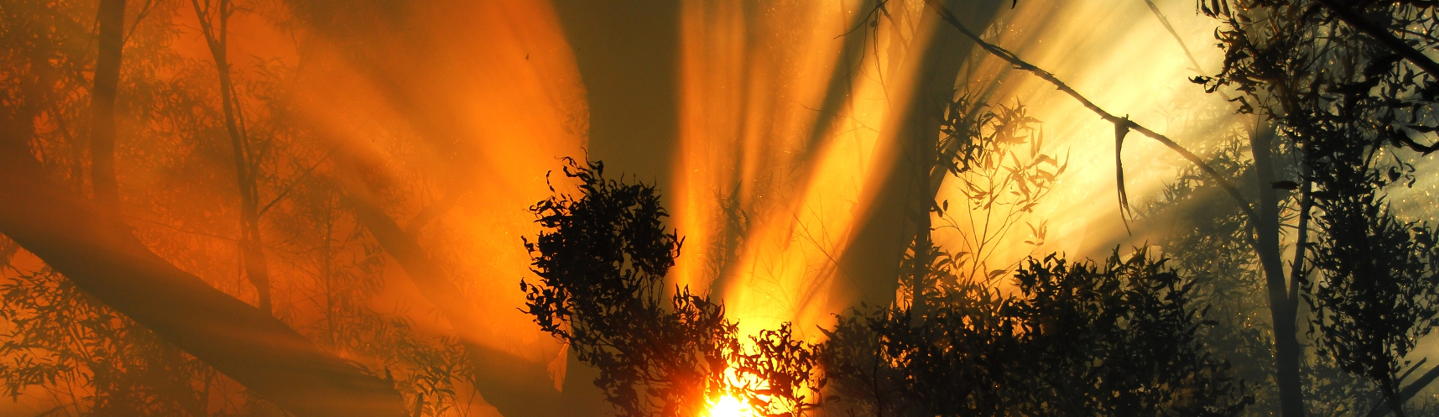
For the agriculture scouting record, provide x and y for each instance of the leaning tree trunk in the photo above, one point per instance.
(515, 386)
(96, 251)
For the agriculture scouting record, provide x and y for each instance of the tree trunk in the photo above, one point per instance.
(94, 250)
(251, 247)
(1287, 353)
(111, 19)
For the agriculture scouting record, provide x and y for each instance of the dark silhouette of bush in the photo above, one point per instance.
(1118, 338)
(1377, 295)
(601, 260)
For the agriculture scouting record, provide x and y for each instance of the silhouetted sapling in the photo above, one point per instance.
(601, 259)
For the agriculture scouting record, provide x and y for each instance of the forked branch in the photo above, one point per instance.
(1121, 124)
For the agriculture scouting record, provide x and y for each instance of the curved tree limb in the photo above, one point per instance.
(1121, 124)
(1408, 392)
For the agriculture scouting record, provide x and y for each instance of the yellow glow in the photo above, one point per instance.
(769, 191)
(495, 100)
(1119, 56)
(755, 152)
(729, 406)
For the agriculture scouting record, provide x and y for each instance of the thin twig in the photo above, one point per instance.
(1192, 62)
(180, 229)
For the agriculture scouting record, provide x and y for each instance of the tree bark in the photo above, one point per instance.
(95, 250)
(1282, 311)
(111, 19)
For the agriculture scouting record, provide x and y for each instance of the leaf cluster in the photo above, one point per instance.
(601, 261)
(1378, 295)
(1348, 90)
(98, 361)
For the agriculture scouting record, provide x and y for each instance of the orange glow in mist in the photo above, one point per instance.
(767, 194)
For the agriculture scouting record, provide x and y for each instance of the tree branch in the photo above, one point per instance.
(1120, 123)
(1408, 392)
(1297, 271)
(1385, 38)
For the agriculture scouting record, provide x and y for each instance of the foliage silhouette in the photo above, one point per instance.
(1121, 338)
(1348, 90)
(601, 259)
(1377, 296)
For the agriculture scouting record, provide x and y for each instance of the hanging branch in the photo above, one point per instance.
(1120, 131)
(1122, 125)
(1298, 271)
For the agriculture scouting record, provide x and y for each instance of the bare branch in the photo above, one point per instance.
(1120, 123)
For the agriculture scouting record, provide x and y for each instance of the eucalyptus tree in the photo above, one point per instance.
(601, 261)
(1346, 86)
(1341, 101)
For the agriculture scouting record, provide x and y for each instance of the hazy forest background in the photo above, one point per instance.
(718, 208)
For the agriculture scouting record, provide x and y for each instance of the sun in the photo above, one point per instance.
(729, 406)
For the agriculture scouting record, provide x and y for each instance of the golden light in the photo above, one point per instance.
(770, 180)
(729, 406)
(769, 192)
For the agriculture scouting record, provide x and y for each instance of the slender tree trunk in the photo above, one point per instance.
(1391, 396)
(111, 18)
(111, 21)
(919, 306)
(1287, 353)
(96, 252)
(251, 245)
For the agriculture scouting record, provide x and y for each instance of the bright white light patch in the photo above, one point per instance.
(729, 406)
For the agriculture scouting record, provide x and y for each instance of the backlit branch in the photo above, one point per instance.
(1354, 20)
(1121, 124)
